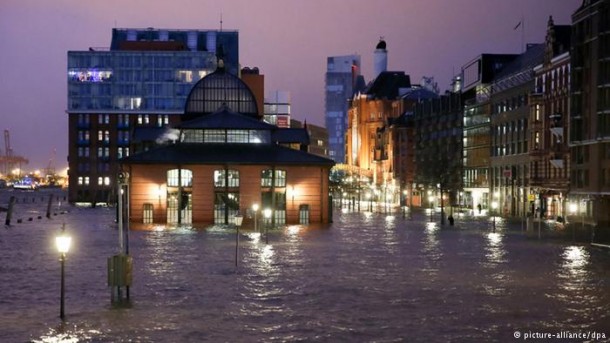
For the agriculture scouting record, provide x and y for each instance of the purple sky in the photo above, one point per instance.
(288, 40)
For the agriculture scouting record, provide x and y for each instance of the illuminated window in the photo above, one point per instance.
(100, 181)
(237, 136)
(214, 136)
(89, 75)
(80, 180)
(267, 178)
(86, 180)
(174, 175)
(106, 181)
(232, 176)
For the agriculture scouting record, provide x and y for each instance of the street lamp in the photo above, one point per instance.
(255, 209)
(63, 246)
(573, 210)
(267, 214)
(494, 206)
(238, 220)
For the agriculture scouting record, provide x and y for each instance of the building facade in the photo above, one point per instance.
(548, 126)
(225, 162)
(510, 155)
(477, 76)
(277, 109)
(589, 138)
(342, 75)
(141, 81)
(438, 150)
(369, 151)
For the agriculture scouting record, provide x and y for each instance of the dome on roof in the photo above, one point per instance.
(381, 45)
(220, 89)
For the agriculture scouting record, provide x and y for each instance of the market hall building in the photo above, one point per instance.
(223, 158)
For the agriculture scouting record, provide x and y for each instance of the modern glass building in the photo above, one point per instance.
(142, 80)
(342, 76)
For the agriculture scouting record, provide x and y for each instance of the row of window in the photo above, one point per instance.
(556, 79)
(103, 152)
(84, 120)
(225, 178)
(226, 136)
(101, 181)
(510, 104)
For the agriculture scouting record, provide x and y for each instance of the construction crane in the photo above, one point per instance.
(9, 160)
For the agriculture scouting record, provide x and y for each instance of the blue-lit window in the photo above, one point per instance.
(83, 137)
(89, 75)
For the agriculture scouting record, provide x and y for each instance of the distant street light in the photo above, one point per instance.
(238, 220)
(62, 242)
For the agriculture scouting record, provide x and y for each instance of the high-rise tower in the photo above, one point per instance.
(342, 80)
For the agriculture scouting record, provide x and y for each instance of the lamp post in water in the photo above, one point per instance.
(62, 242)
(238, 220)
(267, 214)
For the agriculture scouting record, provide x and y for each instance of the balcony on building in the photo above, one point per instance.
(556, 159)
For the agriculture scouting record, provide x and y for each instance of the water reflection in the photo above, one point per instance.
(494, 250)
(573, 271)
(432, 252)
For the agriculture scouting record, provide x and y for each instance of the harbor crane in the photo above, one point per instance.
(9, 161)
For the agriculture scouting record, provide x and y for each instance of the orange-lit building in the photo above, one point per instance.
(368, 145)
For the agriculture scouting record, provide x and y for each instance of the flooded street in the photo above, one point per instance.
(366, 277)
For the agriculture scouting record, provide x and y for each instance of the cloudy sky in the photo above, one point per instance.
(288, 40)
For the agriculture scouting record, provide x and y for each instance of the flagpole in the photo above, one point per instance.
(522, 33)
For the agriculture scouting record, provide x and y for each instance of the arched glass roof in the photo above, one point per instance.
(217, 89)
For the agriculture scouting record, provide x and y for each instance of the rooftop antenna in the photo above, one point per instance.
(220, 21)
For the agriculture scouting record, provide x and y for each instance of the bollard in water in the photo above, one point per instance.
(9, 212)
(49, 206)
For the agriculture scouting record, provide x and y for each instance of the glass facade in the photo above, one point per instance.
(142, 80)
(340, 78)
(134, 81)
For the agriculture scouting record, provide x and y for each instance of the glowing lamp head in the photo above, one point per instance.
(573, 208)
(494, 205)
(63, 242)
(254, 207)
(239, 219)
(267, 213)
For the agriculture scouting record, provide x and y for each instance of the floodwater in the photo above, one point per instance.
(365, 278)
